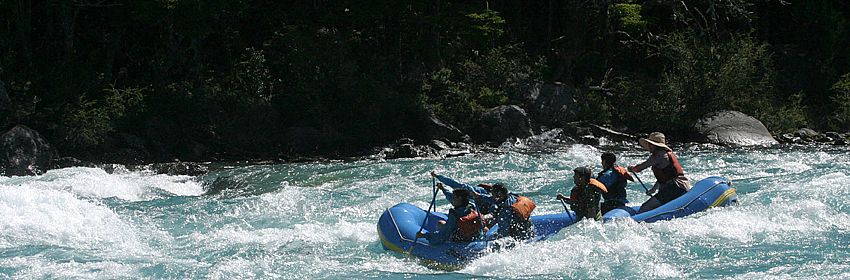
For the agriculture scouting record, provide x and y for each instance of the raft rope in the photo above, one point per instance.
(427, 213)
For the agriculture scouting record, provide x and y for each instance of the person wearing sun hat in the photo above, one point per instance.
(671, 181)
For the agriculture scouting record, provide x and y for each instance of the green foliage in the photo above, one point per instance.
(488, 24)
(642, 107)
(236, 75)
(735, 75)
(593, 107)
(628, 18)
(247, 84)
(840, 119)
(87, 122)
(480, 82)
(789, 116)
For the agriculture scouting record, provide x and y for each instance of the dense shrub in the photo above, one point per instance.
(483, 81)
(840, 119)
(87, 122)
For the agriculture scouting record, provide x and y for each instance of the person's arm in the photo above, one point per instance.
(640, 166)
(449, 195)
(657, 159)
(451, 182)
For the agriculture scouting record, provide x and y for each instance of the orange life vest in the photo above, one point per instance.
(623, 173)
(598, 185)
(671, 171)
(524, 206)
(469, 226)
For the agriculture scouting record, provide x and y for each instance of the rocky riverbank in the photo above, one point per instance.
(546, 118)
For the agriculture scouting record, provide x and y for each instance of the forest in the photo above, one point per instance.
(227, 79)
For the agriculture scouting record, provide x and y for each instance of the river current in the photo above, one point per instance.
(318, 220)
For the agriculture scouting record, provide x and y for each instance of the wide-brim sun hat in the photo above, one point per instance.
(655, 139)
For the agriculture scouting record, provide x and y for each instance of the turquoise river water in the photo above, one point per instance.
(317, 220)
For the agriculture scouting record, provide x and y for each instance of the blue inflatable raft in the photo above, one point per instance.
(398, 225)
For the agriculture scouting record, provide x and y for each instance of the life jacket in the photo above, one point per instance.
(671, 171)
(598, 185)
(469, 226)
(524, 206)
(623, 173)
(617, 191)
(576, 193)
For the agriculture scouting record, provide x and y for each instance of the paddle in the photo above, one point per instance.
(565, 208)
(639, 181)
(428, 213)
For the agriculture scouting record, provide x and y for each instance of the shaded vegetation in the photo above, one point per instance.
(224, 79)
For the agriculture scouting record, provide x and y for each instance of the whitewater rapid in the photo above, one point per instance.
(317, 220)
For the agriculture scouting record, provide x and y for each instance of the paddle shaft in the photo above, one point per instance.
(639, 181)
(428, 213)
(565, 208)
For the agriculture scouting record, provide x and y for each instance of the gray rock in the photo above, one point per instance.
(732, 128)
(409, 151)
(434, 128)
(403, 141)
(503, 122)
(456, 153)
(807, 133)
(24, 152)
(66, 162)
(114, 168)
(439, 145)
(179, 168)
(550, 104)
(789, 138)
(824, 139)
(833, 135)
(589, 140)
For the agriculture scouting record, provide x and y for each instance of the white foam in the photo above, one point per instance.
(96, 183)
(58, 218)
(36, 267)
(315, 233)
(757, 223)
(586, 250)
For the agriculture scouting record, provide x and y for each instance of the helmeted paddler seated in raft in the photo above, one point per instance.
(586, 195)
(462, 224)
(615, 178)
(671, 181)
(480, 195)
(512, 212)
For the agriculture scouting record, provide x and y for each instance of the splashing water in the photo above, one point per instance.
(317, 220)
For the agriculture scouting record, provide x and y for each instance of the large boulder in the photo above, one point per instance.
(550, 104)
(434, 128)
(500, 123)
(24, 152)
(732, 128)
